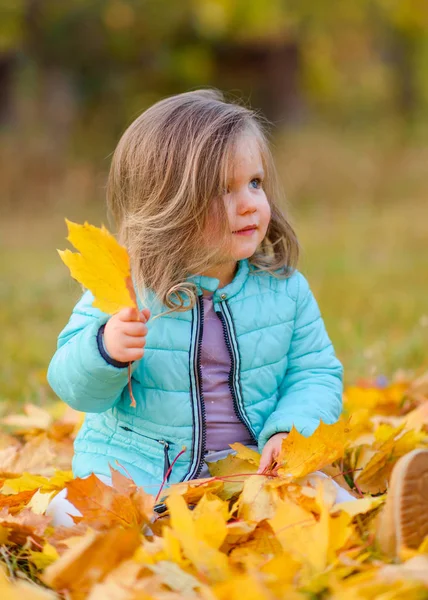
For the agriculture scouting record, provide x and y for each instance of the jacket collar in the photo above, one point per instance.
(211, 283)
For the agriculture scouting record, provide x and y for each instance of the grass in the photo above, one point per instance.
(360, 211)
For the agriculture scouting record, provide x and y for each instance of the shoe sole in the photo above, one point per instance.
(408, 501)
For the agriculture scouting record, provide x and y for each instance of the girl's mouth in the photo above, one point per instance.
(247, 232)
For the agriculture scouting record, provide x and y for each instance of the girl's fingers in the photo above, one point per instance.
(134, 342)
(135, 329)
(132, 354)
(128, 314)
(132, 314)
(265, 459)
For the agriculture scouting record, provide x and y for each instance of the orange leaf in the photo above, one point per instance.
(90, 559)
(16, 529)
(104, 506)
(15, 502)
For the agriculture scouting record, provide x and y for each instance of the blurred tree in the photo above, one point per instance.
(104, 61)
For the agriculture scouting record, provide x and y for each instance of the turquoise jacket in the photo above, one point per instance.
(284, 372)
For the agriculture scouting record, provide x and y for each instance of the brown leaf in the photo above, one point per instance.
(36, 456)
(90, 560)
(103, 506)
(16, 529)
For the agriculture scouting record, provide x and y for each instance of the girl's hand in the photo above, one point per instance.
(125, 334)
(271, 450)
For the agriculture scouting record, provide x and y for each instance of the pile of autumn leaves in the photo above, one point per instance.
(237, 534)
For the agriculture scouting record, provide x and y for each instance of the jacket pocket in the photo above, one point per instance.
(164, 443)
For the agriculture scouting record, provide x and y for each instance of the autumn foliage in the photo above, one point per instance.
(267, 536)
(234, 535)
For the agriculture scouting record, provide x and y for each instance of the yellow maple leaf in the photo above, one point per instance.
(245, 453)
(258, 500)
(312, 541)
(90, 559)
(28, 481)
(302, 455)
(377, 463)
(200, 545)
(102, 266)
(235, 472)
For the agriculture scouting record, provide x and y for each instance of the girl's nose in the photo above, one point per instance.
(247, 203)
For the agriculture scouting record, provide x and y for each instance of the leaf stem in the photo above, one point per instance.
(133, 403)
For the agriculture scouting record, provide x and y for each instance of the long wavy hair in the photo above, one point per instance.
(168, 175)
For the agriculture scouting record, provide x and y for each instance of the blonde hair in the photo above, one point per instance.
(167, 175)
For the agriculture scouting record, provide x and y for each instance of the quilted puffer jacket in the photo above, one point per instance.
(284, 372)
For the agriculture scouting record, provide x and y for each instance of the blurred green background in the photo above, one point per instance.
(345, 85)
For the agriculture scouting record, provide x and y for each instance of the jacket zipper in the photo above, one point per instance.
(227, 322)
(200, 405)
(202, 438)
(226, 319)
(164, 443)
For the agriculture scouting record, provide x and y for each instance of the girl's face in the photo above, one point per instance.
(245, 201)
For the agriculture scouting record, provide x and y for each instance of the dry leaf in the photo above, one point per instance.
(26, 525)
(15, 502)
(258, 500)
(36, 456)
(89, 561)
(264, 536)
(34, 418)
(234, 471)
(246, 453)
(301, 455)
(103, 506)
(390, 444)
(102, 266)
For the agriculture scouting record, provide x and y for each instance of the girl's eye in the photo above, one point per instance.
(258, 182)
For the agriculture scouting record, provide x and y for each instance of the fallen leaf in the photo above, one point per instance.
(15, 502)
(195, 489)
(391, 443)
(29, 481)
(358, 506)
(34, 418)
(234, 472)
(103, 506)
(195, 543)
(17, 529)
(302, 455)
(246, 453)
(36, 456)
(89, 561)
(258, 500)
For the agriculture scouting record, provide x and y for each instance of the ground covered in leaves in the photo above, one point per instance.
(237, 534)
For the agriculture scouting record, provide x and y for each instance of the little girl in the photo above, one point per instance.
(228, 344)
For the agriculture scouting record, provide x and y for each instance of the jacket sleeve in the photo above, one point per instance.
(312, 386)
(81, 372)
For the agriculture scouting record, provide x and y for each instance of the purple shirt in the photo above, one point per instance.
(223, 426)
